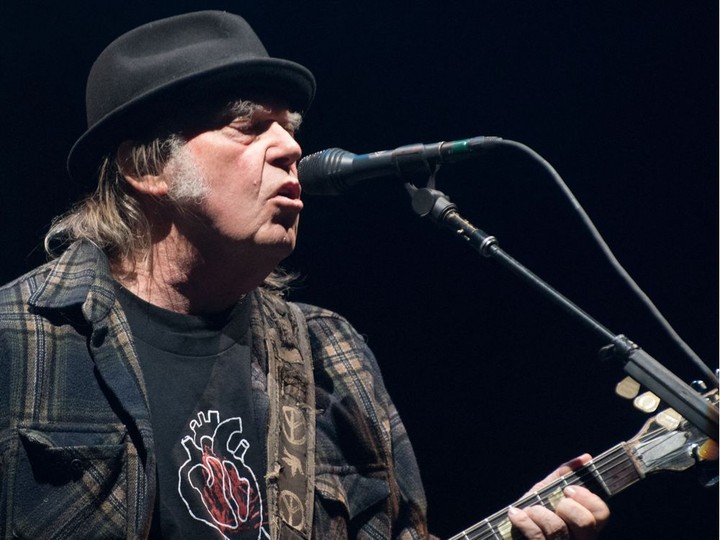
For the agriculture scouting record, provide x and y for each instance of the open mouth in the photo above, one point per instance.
(290, 190)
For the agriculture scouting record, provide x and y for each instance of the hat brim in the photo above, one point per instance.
(272, 77)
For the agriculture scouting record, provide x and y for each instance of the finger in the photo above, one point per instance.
(537, 523)
(550, 523)
(579, 500)
(522, 522)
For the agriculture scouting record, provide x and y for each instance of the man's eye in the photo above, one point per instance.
(258, 127)
(247, 128)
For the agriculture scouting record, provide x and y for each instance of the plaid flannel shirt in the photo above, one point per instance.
(76, 442)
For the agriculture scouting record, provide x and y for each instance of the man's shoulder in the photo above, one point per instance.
(333, 336)
(324, 320)
(312, 312)
(61, 282)
(19, 290)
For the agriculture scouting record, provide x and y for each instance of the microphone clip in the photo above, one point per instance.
(437, 206)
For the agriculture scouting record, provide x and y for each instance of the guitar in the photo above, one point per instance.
(666, 442)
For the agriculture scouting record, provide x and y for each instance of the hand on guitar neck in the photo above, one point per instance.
(562, 507)
(579, 515)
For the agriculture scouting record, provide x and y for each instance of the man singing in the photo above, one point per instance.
(154, 381)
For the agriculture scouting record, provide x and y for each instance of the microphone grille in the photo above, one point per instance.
(317, 172)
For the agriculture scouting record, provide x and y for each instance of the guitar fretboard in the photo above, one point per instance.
(608, 474)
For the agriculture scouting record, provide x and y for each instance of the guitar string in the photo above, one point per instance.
(605, 463)
(491, 524)
(613, 459)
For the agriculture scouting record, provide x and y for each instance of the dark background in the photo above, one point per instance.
(496, 386)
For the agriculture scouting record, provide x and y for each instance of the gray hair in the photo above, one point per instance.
(112, 218)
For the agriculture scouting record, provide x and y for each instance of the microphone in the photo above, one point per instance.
(334, 171)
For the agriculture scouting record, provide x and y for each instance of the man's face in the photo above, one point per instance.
(249, 194)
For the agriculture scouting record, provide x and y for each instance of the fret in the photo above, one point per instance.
(624, 475)
(554, 498)
(599, 478)
(495, 527)
(616, 470)
(621, 481)
(504, 530)
(498, 525)
(487, 528)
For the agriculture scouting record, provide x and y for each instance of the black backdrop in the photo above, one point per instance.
(495, 385)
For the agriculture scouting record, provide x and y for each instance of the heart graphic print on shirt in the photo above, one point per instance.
(216, 485)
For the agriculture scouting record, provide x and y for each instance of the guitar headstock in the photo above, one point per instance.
(669, 442)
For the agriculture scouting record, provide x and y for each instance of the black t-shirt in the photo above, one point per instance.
(210, 447)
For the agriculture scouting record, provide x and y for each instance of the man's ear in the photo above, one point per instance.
(149, 184)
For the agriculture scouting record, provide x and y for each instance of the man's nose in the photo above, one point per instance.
(284, 150)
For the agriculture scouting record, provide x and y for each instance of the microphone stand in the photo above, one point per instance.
(636, 362)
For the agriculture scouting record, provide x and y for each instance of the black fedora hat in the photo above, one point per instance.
(159, 68)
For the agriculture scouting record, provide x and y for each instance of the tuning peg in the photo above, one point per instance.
(699, 386)
(669, 419)
(647, 402)
(628, 388)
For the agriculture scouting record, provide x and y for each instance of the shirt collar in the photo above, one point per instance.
(81, 276)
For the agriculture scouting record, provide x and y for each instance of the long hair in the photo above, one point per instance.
(112, 218)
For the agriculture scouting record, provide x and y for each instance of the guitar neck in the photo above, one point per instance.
(608, 474)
